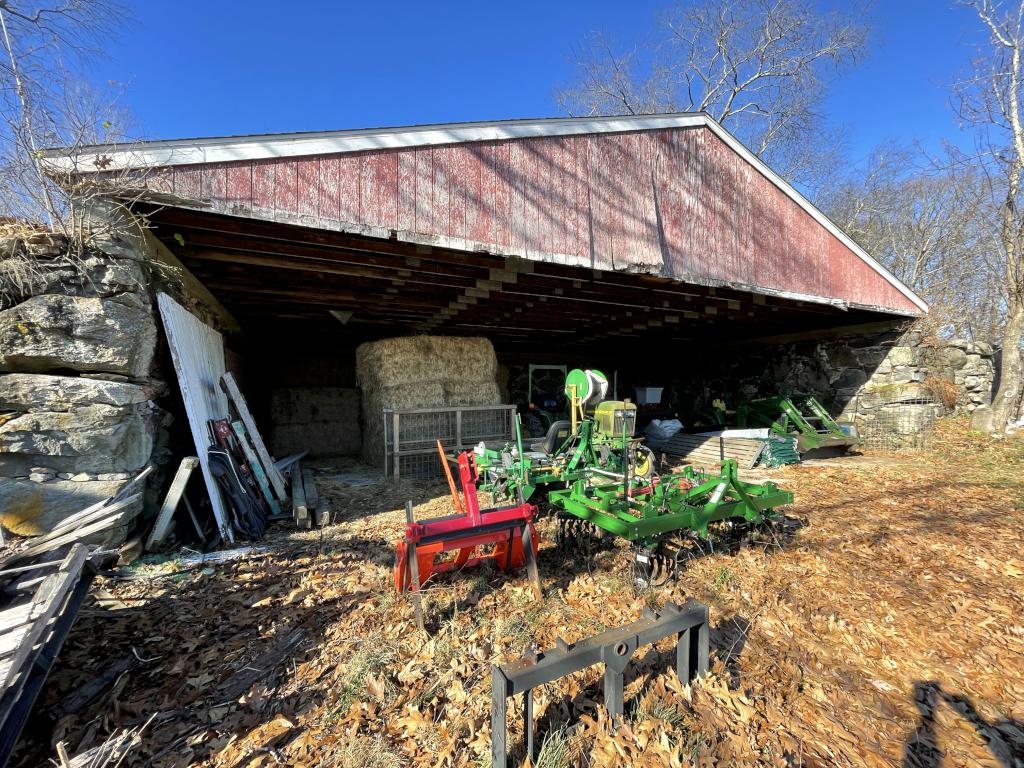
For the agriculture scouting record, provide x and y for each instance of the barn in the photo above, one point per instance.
(655, 247)
(297, 314)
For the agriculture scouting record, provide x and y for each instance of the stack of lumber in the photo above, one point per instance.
(308, 508)
(43, 587)
(709, 450)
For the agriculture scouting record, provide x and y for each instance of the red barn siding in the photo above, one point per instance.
(678, 202)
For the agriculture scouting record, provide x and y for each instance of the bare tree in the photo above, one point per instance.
(929, 221)
(759, 67)
(990, 100)
(43, 105)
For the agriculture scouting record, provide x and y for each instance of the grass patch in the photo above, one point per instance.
(724, 578)
(365, 752)
(555, 750)
(370, 659)
(654, 708)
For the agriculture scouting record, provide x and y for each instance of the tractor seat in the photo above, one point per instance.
(557, 434)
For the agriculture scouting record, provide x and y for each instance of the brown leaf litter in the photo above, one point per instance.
(888, 632)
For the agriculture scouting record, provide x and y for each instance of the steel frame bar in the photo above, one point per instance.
(614, 648)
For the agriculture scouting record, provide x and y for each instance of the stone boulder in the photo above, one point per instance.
(90, 275)
(74, 425)
(55, 332)
(31, 509)
(43, 392)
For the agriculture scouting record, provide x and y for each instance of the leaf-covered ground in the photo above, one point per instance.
(888, 632)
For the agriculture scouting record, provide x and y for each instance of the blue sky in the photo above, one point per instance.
(217, 68)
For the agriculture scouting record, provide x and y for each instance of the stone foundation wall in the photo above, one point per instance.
(867, 379)
(78, 385)
(83, 398)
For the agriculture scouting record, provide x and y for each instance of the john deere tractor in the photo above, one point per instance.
(597, 437)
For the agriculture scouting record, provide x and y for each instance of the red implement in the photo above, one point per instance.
(504, 535)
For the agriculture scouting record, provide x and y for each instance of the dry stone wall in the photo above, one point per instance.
(79, 387)
(898, 380)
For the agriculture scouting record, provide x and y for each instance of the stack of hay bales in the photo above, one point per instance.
(420, 372)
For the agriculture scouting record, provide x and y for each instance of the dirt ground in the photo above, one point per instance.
(888, 632)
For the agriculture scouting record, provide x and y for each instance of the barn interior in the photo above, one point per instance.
(306, 298)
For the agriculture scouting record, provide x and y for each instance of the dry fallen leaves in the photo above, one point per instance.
(889, 632)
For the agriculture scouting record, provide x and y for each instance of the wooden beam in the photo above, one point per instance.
(162, 526)
(230, 387)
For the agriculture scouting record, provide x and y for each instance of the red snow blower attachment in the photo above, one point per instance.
(502, 534)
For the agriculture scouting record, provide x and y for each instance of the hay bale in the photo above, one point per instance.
(390, 362)
(465, 357)
(462, 392)
(420, 372)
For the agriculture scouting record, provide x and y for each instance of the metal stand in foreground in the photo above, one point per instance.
(613, 648)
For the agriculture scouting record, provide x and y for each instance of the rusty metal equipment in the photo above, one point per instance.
(613, 648)
(503, 535)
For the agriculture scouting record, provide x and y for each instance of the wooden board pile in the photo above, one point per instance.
(421, 371)
(273, 486)
(886, 634)
(710, 450)
(42, 586)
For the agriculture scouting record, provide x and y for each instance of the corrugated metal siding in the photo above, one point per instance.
(677, 202)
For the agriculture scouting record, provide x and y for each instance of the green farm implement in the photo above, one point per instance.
(601, 479)
(664, 516)
(801, 417)
(598, 438)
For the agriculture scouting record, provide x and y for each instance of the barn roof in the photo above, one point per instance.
(671, 194)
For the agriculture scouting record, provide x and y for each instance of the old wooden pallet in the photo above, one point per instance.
(707, 450)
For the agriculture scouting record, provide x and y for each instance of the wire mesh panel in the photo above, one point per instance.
(900, 425)
(411, 435)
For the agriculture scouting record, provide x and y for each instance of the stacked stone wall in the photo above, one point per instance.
(861, 378)
(79, 385)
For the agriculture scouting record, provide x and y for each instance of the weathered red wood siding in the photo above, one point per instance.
(678, 202)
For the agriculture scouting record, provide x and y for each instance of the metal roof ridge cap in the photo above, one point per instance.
(162, 153)
(737, 146)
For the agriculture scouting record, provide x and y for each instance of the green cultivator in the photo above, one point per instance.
(600, 478)
(665, 516)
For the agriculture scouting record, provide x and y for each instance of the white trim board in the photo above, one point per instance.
(198, 354)
(160, 154)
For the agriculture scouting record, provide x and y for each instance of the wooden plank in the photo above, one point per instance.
(166, 514)
(88, 513)
(299, 508)
(48, 598)
(310, 489)
(114, 516)
(9, 641)
(14, 617)
(230, 388)
(257, 469)
(77, 521)
(287, 461)
(197, 351)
